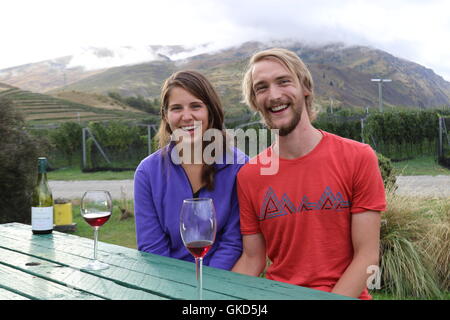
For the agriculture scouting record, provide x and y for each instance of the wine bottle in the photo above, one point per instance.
(42, 202)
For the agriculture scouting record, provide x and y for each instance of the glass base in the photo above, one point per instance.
(95, 265)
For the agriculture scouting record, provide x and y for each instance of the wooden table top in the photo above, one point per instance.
(48, 267)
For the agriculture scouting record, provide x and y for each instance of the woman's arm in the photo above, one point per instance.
(149, 232)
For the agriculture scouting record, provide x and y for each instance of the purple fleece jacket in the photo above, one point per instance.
(160, 186)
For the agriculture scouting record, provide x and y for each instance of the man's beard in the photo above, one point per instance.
(285, 130)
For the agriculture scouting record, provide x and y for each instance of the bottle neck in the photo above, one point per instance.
(42, 168)
(42, 175)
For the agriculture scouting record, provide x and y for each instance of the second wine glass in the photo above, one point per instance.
(198, 232)
(96, 208)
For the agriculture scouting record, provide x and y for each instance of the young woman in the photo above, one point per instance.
(189, 107)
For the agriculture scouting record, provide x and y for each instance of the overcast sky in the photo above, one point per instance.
(35, 30)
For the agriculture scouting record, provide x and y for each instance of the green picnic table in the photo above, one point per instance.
(48, 267)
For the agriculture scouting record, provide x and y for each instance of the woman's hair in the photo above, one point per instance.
(293, 63)
(200, 87)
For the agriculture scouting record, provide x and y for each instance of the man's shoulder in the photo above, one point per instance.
(254, 164)
(349, 151)
(346, 143)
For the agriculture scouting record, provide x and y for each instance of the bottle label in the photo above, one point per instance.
(41, 218)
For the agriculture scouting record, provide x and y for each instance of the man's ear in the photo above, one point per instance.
(306, 92)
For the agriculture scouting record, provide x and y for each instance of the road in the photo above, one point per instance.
(419, 186)
(75, 189)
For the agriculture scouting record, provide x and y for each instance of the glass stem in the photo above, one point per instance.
(199, 271)
(95, 242)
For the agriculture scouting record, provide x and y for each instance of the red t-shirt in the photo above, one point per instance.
(304, 211)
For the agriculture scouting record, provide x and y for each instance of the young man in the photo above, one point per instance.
(318, 218)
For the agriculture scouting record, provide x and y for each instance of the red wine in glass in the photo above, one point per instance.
(96, 208)
(97, 219)
(199, 248)
(198, 226)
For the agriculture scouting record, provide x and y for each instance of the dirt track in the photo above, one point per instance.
(418, 186)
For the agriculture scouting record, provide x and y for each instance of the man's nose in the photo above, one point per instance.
(274, 92)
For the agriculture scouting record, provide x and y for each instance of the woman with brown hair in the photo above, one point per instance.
(190, 110)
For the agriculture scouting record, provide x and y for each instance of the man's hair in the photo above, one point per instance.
(293, 63)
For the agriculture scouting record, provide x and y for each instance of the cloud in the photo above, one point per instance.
(93, 58)
(415, 30)
(412, 29)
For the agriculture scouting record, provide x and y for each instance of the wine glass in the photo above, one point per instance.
(198, 231)
(96, 208)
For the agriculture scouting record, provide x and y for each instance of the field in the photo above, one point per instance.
(422, 165)
(115, 231)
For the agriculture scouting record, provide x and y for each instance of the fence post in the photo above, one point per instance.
(441, 145)
(98, 146)
(96, 143)
(84, 148)
(149, 138)
(362, 130)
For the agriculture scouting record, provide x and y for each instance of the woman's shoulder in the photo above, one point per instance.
(241, 157)
(152, 160)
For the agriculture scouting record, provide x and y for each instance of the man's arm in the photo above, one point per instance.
(253, 258)
(366, 250)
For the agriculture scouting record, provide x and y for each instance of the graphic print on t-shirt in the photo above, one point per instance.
(272, 207)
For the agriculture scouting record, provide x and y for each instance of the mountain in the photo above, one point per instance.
(59, 72)
(45, 75)
(341, 73)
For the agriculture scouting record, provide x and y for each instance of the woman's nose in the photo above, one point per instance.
(186, 115)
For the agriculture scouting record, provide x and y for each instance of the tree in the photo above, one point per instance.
(18, 166)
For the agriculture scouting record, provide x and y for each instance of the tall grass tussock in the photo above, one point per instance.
(415, 247)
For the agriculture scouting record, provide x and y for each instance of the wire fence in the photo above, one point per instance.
(116, 145)
(444, 142)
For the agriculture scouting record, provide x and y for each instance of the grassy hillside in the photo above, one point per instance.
(95, 100)
(142, 79)
(44, 109)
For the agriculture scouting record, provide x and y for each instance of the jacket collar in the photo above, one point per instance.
(230, 156)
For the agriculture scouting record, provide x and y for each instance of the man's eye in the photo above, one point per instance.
(260, 88)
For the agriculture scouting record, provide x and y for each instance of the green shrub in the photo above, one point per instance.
(387, 171)
(18, 166)
(67, 139)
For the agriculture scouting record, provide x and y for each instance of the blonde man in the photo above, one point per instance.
(318, 218)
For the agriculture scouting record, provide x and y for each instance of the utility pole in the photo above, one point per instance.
(380, 91)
